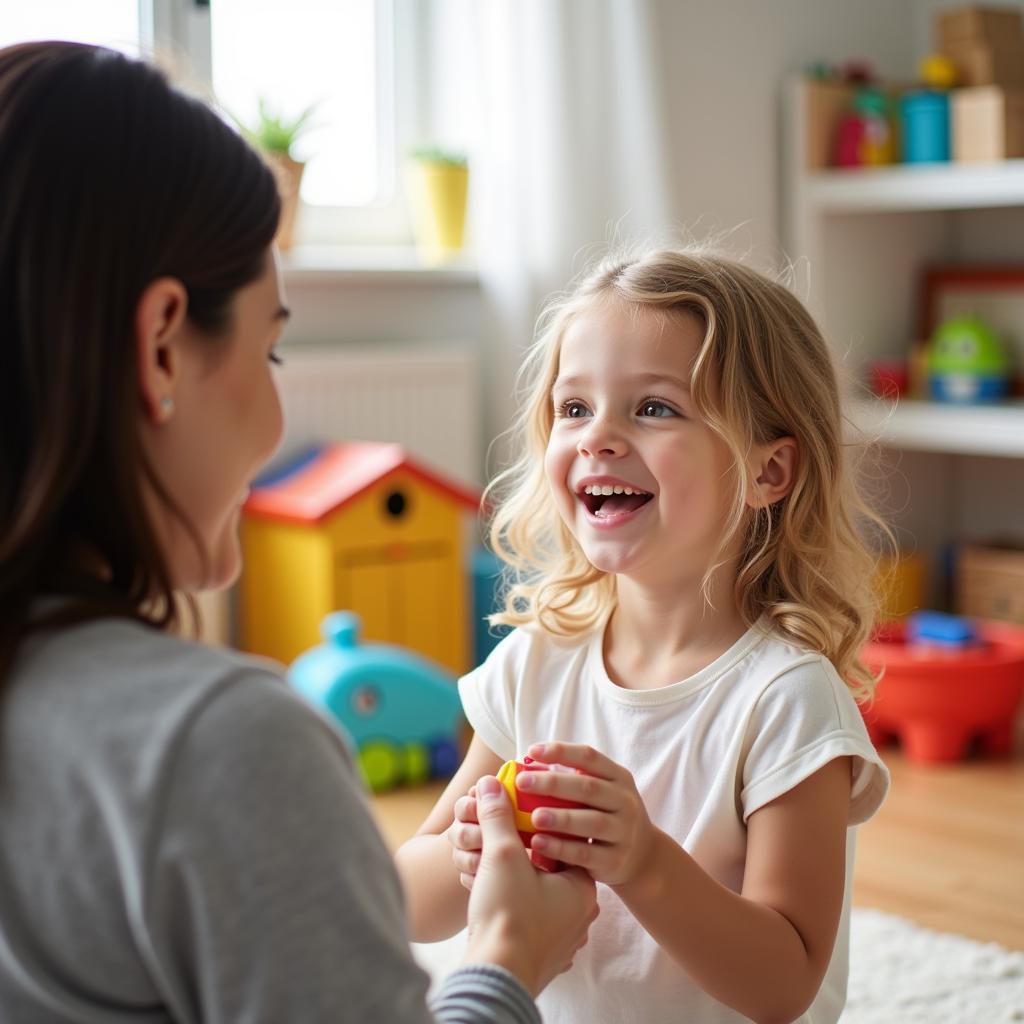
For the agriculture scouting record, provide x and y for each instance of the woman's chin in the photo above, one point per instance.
(225, 562)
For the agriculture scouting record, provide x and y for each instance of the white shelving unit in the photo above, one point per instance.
(859, 241)
(933, 427)
(907, 188)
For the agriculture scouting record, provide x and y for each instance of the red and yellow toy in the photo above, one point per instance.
(525, 803)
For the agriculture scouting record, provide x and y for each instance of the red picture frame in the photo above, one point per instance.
(939, 279)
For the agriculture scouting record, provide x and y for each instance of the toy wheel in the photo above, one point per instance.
(444, 758)
(381, 765)
(417, 763)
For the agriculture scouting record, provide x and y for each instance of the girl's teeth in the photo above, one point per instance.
(607, 490)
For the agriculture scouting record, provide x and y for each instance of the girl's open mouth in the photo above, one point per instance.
(608, 501)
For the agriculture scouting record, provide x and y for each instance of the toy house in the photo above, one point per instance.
(360, 527)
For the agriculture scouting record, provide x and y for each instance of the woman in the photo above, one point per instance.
(180, 838)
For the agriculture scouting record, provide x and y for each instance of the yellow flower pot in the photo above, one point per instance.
(438, 192)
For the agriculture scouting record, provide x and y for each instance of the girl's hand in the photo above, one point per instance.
(615, 833)
(466, 838)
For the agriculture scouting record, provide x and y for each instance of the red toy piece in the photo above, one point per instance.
(525, 803)
(938, 700)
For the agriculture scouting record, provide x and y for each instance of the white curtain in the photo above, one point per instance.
(569, 152)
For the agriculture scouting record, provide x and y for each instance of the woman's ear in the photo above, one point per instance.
(159, 322)
(774, 472)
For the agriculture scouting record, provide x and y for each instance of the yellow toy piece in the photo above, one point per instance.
(937, 71)
(507, 777)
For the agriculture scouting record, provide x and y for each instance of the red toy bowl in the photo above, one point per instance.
(937, 700)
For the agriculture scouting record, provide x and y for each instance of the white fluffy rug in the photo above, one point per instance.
(903, 974)
(899, 974)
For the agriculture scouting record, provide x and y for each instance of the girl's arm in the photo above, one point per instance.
(435, 898)
(763, 951)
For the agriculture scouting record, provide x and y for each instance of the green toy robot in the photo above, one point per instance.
(967, 362)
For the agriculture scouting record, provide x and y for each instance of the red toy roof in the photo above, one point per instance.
(340, 472)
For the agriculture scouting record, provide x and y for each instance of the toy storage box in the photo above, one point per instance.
(985, 44)
(990, 583)
(988, 123)
(977, 24)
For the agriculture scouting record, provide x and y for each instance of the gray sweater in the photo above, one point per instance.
(182, 839)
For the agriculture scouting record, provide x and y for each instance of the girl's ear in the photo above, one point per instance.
(159, 322)
(775, 465)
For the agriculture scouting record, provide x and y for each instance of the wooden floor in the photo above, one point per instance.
(946, 850)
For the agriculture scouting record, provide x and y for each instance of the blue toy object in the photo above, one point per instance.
(939, 628)
(925, 117)
(401, 711)
(487, 584)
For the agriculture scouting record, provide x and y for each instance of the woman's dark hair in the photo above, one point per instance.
(109, 178)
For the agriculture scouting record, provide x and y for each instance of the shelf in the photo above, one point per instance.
(946, 186)
(938, 427)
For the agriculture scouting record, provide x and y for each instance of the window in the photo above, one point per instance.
(113, 23)
(257, 53)
(355, 59)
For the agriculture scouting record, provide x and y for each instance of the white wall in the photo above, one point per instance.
(725, 63)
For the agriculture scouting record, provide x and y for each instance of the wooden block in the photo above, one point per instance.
(987, 124)
(978, 25)
(999, 63)
(990, 583)
(824, 104)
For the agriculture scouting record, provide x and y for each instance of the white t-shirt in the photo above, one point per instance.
(706, 753)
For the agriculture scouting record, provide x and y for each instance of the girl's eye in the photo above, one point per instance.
(572, 409)
(655, 407)
(275, 358)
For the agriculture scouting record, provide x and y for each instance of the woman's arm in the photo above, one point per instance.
(267, 894)
(435, 898)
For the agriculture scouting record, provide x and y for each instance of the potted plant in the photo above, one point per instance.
(275, 135)
(439, 182)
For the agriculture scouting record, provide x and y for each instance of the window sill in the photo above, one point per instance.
(323, 264)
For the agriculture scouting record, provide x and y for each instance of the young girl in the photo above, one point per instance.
(692, 592)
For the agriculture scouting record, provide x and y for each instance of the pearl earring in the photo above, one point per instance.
(167, 405)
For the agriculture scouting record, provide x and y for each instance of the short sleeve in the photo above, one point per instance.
(269, 895)
(803, 719)
(488, 695)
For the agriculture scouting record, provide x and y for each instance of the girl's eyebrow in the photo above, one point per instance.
(646, 379)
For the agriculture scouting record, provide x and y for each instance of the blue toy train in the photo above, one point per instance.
(401, 711)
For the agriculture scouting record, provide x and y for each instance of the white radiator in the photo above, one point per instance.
(425, 397)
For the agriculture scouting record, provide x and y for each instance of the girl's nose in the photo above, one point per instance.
(601, 438)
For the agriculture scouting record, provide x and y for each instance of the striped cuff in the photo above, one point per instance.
(483, 994)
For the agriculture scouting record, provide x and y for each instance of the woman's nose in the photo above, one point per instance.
(601, 438)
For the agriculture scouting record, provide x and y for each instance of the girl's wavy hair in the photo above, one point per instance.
(763, 371)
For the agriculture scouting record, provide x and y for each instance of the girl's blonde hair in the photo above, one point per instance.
(762, 372)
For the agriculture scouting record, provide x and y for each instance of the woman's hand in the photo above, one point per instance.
(466, 838)
(525, 920)
(615, 833)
